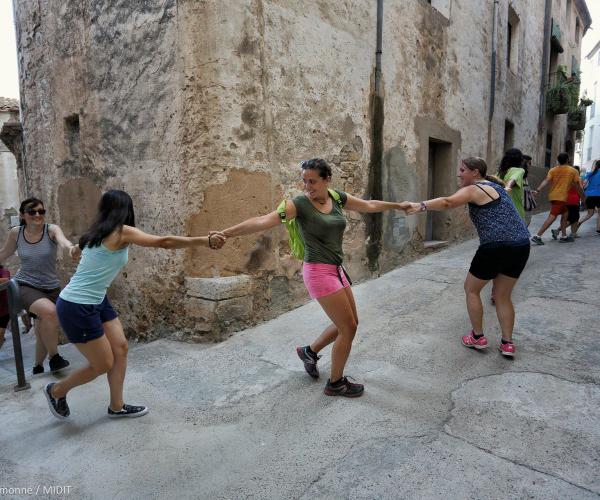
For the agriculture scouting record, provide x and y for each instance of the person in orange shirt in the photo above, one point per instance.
(571, 216)
(561, 178)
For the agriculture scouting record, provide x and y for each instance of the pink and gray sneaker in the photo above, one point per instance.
(507, 350)
(471, 341)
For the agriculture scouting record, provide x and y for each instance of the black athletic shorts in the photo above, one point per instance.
(489, 262)
(572, 213)
(592, 202)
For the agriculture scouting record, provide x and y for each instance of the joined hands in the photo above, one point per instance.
(409, 208)
(216, 239)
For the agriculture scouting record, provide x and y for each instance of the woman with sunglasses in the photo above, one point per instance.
(502, 253)
(322, 224)
(85, 313)
(36, 243)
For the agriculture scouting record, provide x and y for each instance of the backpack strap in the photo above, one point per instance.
(336, 197)
(281, 212)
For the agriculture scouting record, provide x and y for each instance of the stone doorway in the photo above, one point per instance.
(439, 168)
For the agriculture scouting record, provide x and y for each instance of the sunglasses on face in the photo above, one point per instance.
(40, 211)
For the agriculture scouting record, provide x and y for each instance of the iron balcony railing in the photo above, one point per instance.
(14, 308)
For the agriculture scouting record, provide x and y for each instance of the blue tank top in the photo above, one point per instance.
(97, 269)
(498, 223)
(593, 186)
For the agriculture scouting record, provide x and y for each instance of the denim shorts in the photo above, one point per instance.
(83, 322)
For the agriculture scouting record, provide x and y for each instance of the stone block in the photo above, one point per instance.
(200, 308)
(231, 311)
(219, 288)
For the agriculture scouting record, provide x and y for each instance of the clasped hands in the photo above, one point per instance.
(409, 208)
(216, 239)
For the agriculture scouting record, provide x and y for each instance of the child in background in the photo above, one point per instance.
(571, 216)
(4, 317)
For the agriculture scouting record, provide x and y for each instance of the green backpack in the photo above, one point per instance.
(295, 238)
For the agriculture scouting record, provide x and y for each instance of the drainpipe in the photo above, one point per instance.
(492, 80)
(545, 62)
(374, 222)
(378, 51)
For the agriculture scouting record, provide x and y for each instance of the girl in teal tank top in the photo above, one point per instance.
(84, 311)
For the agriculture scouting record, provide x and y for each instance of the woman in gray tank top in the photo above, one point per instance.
(36, 243)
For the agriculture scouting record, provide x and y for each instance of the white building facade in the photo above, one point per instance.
(590, 149)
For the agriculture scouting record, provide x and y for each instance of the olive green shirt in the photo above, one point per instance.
(322, 233)
(516, 174)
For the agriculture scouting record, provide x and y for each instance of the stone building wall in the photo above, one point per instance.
(9, 186)
(572, 19)
(202, 110)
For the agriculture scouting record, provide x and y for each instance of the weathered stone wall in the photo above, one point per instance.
(563, 139)
(202, 110)
(9, 187)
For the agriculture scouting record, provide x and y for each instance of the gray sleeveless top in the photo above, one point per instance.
(38, 261)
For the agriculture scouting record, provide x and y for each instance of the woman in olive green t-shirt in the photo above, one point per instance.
(321, 221)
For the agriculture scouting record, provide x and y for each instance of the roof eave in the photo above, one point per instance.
(584, 12)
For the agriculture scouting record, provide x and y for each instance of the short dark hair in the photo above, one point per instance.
(563, 158)
(27, 204)
(317, 164)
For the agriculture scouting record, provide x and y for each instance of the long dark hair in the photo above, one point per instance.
(596, 168)
(525, 165)
(114, 211)
(512, 158)
(479, 164)
(26, 205)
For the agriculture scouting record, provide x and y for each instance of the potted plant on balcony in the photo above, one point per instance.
(576, 117)
(563, 94)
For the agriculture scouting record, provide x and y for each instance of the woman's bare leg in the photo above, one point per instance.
(589, 215)
(46, 329)
(116, 375)
(99, 355)
(473, 288)
(338, 307)
(504, 306)
(331, 332)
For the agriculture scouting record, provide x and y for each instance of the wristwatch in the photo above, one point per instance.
(423, 206)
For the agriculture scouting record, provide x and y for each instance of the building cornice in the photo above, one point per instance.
(593, 51)
(8, 104)
(584, 12)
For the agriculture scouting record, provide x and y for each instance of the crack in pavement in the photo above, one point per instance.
(477, 377)
(358, 443)
(561, 299)
(446, 421)
(515, 462)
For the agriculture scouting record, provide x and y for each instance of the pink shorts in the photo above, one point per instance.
(323, 279)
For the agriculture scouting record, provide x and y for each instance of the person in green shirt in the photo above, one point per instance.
(322, 223)
(512, 174)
